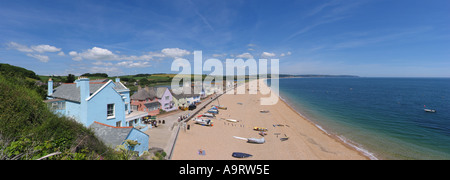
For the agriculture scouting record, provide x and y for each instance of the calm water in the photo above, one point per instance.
(383, 117)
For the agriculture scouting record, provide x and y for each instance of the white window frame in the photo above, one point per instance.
(113, 112)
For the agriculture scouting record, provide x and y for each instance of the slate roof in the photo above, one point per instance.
(143, 94)
(111, 136)
(149, 93)
(182, 94)
(71, 92)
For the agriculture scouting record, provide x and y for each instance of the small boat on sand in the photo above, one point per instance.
(241, 155)
(232, 120)
(213, 111)
(209, 115)
(252, 140)
(220, 107)
(205, 122)
(260, 129)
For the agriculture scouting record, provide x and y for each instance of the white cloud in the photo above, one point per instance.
(219, 55)
(78, 58)
(287, 54)
(73, 53)
(245, 56)
(267, 55)
(107, 70)
(100, 63)
(41, 58)
(175, 52)
(131, 64)
(19, 47)
(45, 48)
(97, 53)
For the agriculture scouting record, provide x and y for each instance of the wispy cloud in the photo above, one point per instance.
(368, 38)
(311, 26)
(318, 9)
(326, 13)
(35, 51)
(205, 21)
(39, 57)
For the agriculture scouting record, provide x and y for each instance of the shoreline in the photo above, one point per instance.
(342, 140)
(306, 140)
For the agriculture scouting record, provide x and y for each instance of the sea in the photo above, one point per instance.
(383, 118)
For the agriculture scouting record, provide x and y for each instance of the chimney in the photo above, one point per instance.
(83, 83)
(50, 87)
(117, 79)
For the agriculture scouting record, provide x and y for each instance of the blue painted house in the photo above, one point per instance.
(102, 101)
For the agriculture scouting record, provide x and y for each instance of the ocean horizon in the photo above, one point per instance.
(382, 117)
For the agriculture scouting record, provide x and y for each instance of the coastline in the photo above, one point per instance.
(306, 140)
(344, 141)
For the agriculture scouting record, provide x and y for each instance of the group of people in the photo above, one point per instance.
(154, 123)
(183, 117)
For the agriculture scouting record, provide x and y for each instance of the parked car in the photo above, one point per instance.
(192, 107)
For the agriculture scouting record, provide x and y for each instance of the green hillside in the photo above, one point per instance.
(29, 130)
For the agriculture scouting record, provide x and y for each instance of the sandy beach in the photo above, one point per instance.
(306, 141)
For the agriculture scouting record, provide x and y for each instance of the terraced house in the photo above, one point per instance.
(102, 101)
(152, 100)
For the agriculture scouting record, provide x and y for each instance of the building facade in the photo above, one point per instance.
(87, 101)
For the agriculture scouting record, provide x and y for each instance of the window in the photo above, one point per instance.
(167, 97)
(61, 105)
(110, 110)
(118, 124)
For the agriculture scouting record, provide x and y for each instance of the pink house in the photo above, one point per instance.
(165, 98)
(152, 100)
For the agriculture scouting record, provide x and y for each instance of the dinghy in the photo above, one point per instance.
(209, 115)
(429, 110)
(260, 129)
(232, 120)
(220, 107)
(252, 140)
(205, 122)
(213, 111)
(241, 155)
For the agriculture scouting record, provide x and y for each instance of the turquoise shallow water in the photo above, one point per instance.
(382, 117)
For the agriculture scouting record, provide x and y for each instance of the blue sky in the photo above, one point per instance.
(373, 38)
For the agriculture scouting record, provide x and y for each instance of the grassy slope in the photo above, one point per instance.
(29, 130)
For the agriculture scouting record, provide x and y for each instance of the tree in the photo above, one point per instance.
(70, 78)
(144, 82)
